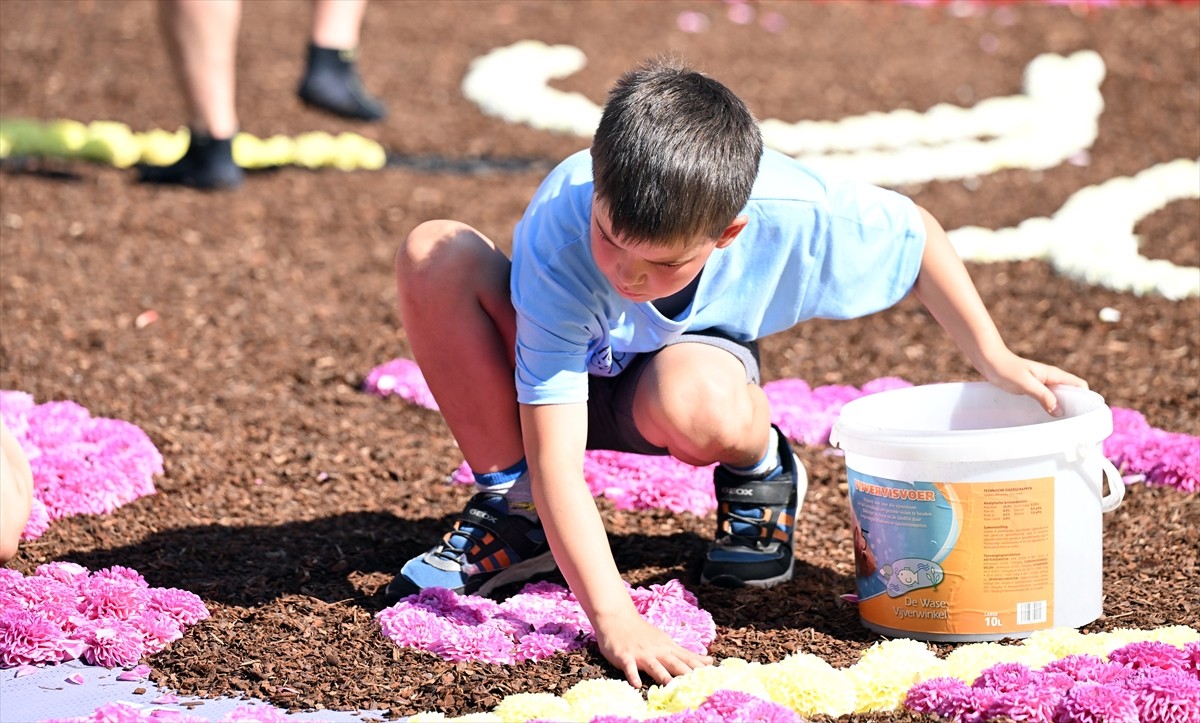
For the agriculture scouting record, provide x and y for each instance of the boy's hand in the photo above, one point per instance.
(945, 287)
(632, 644)
(1023, 376)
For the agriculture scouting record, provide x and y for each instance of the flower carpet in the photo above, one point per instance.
(81, 464)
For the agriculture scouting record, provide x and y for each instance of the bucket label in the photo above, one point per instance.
(966, 558)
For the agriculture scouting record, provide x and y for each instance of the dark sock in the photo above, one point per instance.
(207, 164)
(331, 83)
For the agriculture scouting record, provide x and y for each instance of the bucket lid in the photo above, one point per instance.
(970, 422)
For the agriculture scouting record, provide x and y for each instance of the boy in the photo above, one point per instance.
(629, 314)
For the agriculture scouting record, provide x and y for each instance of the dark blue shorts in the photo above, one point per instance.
(610, 399)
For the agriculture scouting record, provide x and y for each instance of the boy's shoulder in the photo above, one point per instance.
(781, 177)
(574, 170)
(570, 182)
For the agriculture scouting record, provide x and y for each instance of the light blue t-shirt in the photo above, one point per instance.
(813, 248)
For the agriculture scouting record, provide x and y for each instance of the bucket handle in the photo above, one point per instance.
(1116, 486)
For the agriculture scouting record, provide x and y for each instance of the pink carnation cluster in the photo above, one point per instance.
(1165, 458)
(1150, 682)
(129, 713)
(401, 378)
(111, 618)
(720, 707)
(639, 482)
(806, 415)
(81, 464)
(540, 621)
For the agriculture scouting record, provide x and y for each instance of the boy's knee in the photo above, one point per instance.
(422, 243)
(715, 416)
(436, 249)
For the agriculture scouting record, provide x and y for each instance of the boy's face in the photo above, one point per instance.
(643, 273)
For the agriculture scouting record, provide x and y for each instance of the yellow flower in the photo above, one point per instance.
(476, 718)
(314, 149)
(521, 707)
(1177, 635)
(590, 698)
(809, 686)
(691, 690)
(1059, 642)
(886, 671)
(967, 662)
(162, 148)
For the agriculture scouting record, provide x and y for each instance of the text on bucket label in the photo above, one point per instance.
(965, 558)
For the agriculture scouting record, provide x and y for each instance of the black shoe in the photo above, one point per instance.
(208, 164)
(331, 83)
(488, 548)
(756, 524)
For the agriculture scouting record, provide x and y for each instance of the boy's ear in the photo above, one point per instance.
(732, 230)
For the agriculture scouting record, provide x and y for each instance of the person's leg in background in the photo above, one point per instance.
(201, 38)
(331, 81)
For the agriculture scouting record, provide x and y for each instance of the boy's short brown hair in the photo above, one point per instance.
(675, 155)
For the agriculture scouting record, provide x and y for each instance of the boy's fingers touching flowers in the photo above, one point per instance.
(648, 649)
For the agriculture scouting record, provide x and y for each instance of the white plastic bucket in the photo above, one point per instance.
(977, 515)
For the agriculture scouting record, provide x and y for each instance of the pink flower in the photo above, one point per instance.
(1149, 654)
(1097, 703)
(403, 378)
(731, 705)
(39, 521)
(9, 577)
(112, 597)
(50, 598)
(107, 618)
(1191, 654)
(158, 630)
(1004, 677)
(945, 697)
(538, 646)
(436, 599)
(1165, 696)
(185, 607)
(1031, 703)
(542, 620)
(118, 572)
(1088, 668)
(486, 645)
(1165, 458)
(80, 464)
(28, 638)
(68, 573)
(111, 642)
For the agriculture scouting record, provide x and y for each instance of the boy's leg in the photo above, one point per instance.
(452, 284)
(703, 404)
(453, 289)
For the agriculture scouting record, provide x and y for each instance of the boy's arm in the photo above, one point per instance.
(945, 288)
(555, 439)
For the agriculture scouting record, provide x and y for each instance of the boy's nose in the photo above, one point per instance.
(630, 275)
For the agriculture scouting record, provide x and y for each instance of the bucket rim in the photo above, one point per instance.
(1072, 435)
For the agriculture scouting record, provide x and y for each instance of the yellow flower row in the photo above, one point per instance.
(115, 144)
(810, 686)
